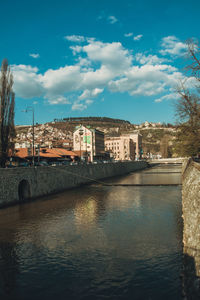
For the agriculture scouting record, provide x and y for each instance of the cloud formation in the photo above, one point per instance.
(34, 55)
(149, 59)
(112, 19)
(173, 46)
(75, 38)
(137, 37)
(128, 34)
(101, 66)
(27, 81)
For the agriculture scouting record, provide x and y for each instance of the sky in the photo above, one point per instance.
(114, 58)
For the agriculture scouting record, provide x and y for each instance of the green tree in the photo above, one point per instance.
(7, 103)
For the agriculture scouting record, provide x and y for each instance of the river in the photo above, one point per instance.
(96, 242)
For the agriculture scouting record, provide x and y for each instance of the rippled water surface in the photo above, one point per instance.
(96, 242)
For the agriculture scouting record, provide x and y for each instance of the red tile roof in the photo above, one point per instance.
(46, 152)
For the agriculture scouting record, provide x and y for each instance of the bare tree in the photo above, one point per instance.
(188, 107)
(7, 103)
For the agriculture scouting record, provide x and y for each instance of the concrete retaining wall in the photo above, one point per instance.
(19, 183)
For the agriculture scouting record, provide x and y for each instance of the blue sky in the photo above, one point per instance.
(120, 59)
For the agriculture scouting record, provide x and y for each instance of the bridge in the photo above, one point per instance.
(177, 160)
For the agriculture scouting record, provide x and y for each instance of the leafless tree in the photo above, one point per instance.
(7, 104)
(188, 106)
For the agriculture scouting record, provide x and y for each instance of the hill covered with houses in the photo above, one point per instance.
(157, 138)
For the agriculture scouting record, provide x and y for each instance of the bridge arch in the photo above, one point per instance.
(24, 190)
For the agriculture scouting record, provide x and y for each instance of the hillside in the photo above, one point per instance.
(108, 125)
(157, 138)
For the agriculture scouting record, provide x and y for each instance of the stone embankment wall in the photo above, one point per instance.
(191, 204)
(18, 184)
(191, 229)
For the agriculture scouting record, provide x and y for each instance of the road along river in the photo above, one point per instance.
(114, 241)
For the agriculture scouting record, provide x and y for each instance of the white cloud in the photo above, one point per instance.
(173, 46)
(149, 59)
(112, 19)
(128, 34)
(62, 80)
(138, 37)
(90, 93)
(89, 101)
(75, 38)
(84, 62)
(98, 66)
(27, 83)
(170, 96)
(111, 55)
(34, 55)
(76, 49)
(146, 80)
(79, 106)
(58, 100)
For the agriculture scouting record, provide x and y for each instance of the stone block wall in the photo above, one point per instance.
(19, 183)
(191, 204)
(191, 229)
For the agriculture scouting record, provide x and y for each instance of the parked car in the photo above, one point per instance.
(24, 164)
(74, 163)
(55, 163)
(66, 162)
(10, 166)
(41, 163)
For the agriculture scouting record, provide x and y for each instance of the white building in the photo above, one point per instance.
(88, 142)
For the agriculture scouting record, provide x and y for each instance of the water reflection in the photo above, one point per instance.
(94, 242)
(191, 273)
(157, 175)
(8, 268)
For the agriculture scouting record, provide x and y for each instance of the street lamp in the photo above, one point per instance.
(30, 108)
(86, 144)
(80, 134)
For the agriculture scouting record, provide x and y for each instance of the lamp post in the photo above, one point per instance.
(86, 144)
(30, 108)
(80, 134)
(92, 149)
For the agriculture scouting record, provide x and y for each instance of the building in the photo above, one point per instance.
(63, 143)
(88, 142)
(46, 154)
(120, 148)
(137, 139)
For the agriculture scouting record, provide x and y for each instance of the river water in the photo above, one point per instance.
(96, 242)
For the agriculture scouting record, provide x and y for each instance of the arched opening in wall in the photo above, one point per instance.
(24, 190)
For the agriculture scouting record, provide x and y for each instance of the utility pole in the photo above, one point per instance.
(86, 144)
